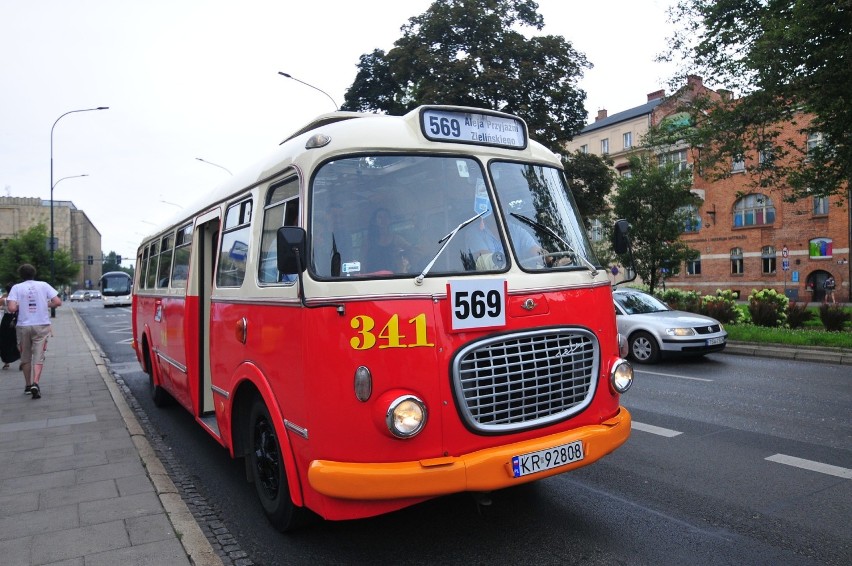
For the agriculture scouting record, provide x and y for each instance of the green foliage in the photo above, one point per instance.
(590, 179)
(833, 317)
(768, 307)
(722, 306)
(798, 314)
(689, 301)
(31, 247)
(111, 264)
(745, 332)
(472, 53)
(653, 200)
(788, 59)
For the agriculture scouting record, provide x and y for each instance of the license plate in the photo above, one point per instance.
(543, 460)
(714, 341)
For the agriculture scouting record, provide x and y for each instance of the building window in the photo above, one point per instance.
(737, 164)
(754, 210)
(627, 173)
(814, 140)
(736, 261)
(628, 140)
(693, 267)
(820, 206)
(584, 148)
(596, 230)
(767, 260)
(820, 248)
(692, 220)
(605, 145)
(678, 158)
(765, 156)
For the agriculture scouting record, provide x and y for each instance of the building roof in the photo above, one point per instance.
(642, 110)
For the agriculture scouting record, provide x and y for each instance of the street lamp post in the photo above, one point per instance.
(214, 165)
(283, 74)
(52, 185)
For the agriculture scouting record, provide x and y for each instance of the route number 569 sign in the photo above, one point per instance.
(479, 303)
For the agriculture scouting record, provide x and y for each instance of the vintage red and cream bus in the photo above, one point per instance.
(385, 310)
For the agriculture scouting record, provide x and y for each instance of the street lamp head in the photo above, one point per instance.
(102, 108)
(289, 76)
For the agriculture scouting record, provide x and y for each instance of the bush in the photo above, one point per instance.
(689, 301)
(833, 317)
(721, 306)
(798, 314)
(768, 308)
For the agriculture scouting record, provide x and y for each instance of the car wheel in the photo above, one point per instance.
(267, 469)
(643, 348)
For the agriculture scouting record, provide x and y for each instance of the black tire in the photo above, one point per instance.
(159, 396)
(267, 470)
(644, 348)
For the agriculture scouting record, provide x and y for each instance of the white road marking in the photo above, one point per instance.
(845, 473)
(667, 432)
(674, 375)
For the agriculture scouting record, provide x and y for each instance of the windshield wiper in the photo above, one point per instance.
(552, 234)
(446, 242)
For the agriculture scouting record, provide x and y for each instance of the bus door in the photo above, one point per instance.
(207, 237)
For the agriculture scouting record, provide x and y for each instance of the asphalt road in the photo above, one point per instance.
(732, 460)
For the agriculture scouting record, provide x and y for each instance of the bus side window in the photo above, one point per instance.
(151, 276)
(165, 262)
(183, 241)
(233, 253)
(282, 209)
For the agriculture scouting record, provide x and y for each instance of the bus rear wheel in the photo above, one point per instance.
(159, 395)
(267, 469)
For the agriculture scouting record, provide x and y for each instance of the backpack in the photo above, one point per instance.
(829, 284)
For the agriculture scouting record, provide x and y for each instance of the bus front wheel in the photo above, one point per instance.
(267, 468)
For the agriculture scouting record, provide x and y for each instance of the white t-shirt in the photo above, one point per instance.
(32, 298)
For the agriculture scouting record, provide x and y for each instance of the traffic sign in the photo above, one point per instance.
(785, 252)
(785, 264)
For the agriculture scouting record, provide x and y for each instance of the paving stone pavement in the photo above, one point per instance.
(79, 481)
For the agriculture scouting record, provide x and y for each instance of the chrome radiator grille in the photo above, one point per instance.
(518, 381)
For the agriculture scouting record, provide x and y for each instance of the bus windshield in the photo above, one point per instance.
(392, 215)
(115, 285)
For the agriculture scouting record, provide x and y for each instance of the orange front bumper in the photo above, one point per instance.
(485, 470)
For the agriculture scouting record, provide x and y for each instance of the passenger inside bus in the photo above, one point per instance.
(385, 250)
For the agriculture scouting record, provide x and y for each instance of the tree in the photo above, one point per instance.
(469, 53)
(31, 247)
(111, 263)
(590, 179)
(656, 201)
(789, 60)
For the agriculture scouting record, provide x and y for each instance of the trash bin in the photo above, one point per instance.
(792, 294)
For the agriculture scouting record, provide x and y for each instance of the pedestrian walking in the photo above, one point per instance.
(31, 300)
(829, 286)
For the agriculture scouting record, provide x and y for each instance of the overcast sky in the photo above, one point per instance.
(199, 78)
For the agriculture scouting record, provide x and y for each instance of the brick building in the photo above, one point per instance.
(71, 227)
(748, 238)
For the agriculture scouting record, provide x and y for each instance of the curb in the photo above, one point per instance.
(193, 540)
(840, 356)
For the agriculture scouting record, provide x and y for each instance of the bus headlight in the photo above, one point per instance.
(621, 377)
(406, 416)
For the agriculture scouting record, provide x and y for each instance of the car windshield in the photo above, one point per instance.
(639, 303)
(401, 215)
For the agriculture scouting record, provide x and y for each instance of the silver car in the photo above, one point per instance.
(654, 330)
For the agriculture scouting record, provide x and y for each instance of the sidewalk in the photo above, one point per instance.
(79, 482)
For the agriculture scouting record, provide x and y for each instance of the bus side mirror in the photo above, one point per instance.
(291, 249)
(620, 239)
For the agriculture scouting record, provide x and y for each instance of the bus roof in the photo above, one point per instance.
(347, 134)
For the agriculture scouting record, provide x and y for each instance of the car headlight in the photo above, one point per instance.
(406, 416)
(621, 376)
(680, 331)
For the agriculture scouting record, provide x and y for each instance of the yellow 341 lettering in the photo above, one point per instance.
(389, 336)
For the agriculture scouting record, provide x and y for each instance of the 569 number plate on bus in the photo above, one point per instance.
(477, 304)
(543, 460)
